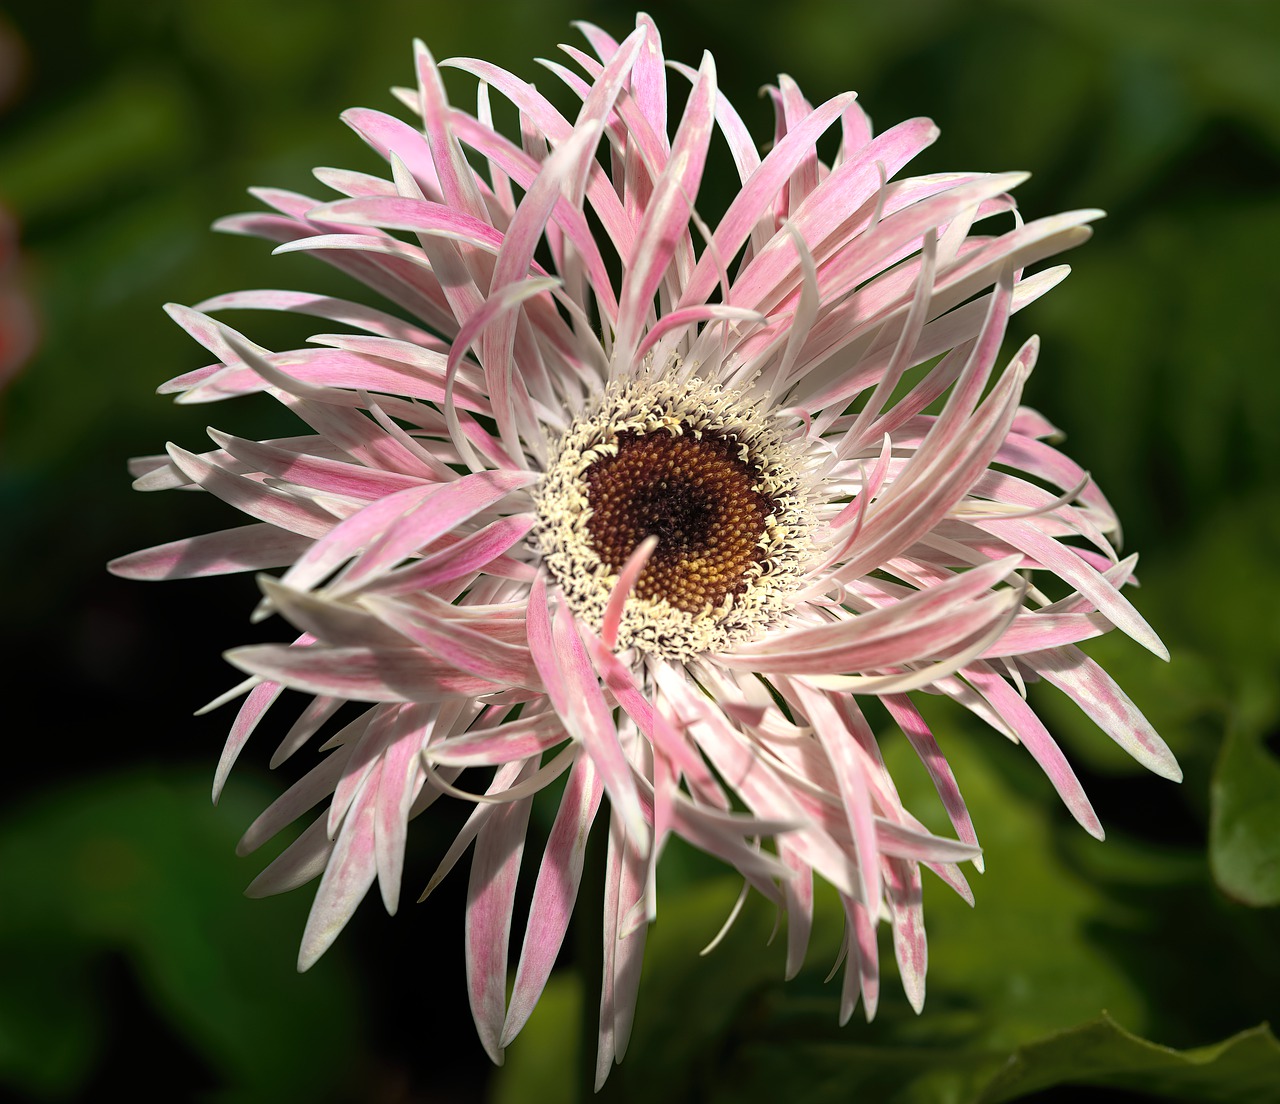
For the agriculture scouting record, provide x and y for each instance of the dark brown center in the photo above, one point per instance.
(697, 497)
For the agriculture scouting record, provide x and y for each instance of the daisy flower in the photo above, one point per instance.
(613, 489)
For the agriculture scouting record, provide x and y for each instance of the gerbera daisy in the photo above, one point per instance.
(613, 487)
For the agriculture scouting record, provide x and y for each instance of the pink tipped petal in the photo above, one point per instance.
(450, 505)
(854, 792)
(622, 590)
(400, 771)
(926, 747)
(304, 859)
(317, 712)
(662, 735)
(347, 877)
(321, 306)
(630, 950)
(1068, 565)
(799, 904)
(765, 183)
(480, 551)
(248, 548)
(260, 699)
(867, 958)
(490, 899)
(909, 946)
(1097, 694)
(1031, 731)
(668, 212)
(359, 674)
(588, 718)
(277, 508)
(504, 778)
(469, 650)
(326, 620)
(574, 690)
(554, 894)
(518, 739)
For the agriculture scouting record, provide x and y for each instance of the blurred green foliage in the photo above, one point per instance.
(139, 867)
(141, 122)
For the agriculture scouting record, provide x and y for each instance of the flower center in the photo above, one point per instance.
(697, 497)
(712, 477)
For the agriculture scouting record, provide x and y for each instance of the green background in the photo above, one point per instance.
(1145, 966)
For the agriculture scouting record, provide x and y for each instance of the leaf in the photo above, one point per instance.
(1244, 824)
(1244, 1068)
(540, 1063)
(133, 878)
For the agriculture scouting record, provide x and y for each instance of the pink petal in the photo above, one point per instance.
(490, 899)
(305, 858)
(909, 946)
(1031, 731)
(926, 747)
(360, 674)
(574, 690)
(347, 877)
(255, 706)
(1097, 694)
(248, 548)
(554, 894)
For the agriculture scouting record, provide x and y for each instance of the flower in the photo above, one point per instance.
(19, 330)
(618, 491)
(18, 327)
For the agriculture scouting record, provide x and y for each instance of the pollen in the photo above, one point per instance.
(697, 497)
(703, 470)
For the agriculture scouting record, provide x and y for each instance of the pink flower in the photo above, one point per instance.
(18, 328)
(621, 488)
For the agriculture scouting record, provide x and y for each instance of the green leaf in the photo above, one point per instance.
(139, 869)
(1244, 826)
(539, 1065)
(1244, 1068)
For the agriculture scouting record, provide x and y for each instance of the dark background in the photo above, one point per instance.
(129, 962)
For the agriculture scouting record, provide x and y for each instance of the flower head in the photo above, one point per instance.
(615, 487)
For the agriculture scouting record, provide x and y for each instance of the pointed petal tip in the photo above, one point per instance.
(119, 567)
(314, 945)
(423, 57)
(239, 657)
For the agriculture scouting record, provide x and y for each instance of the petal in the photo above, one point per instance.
(490, 900)
(554, 893)
(248, 548)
